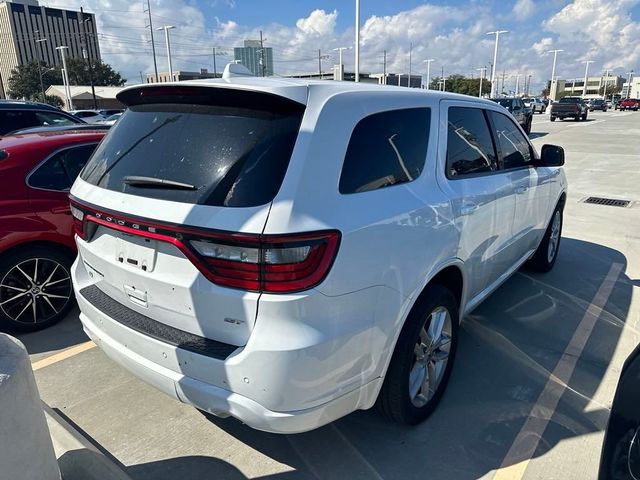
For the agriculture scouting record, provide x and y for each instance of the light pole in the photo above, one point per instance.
(357, 67)
(586, 71)
(607, 72)
(65, 76)
(629, 84)
(518, 75)
(428, 81)
(552, 86)
(341, 70)
(166, 29)
(410, 52)
(39, 41)
(495, 59)
(483, 71)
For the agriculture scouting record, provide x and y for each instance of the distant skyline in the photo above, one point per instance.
(453, 32)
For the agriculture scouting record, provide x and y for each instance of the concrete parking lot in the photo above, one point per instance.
(529, 396)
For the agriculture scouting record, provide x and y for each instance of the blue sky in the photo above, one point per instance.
(452, 32)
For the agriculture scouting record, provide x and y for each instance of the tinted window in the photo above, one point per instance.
(51, 118)
(514, 147)
(60, 171)
(11, 120)
(385, 149)
(231, 156)
(570, 100)
(505, 102)
(469, 145)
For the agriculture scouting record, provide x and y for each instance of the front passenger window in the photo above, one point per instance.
(470, 149)
(514, 147)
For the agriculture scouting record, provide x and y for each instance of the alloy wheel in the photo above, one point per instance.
(35, 290)
(554, 238)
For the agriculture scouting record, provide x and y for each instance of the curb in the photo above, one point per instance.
(78, 455)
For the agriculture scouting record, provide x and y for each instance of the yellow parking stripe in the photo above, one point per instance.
(58, 357)
(524, 446)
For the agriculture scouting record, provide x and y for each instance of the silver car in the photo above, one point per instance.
(535, 104)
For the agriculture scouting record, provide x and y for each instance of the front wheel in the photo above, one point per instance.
(527, 126)
(545, 256)
(423, 358)
(584, 117)
(35, 288)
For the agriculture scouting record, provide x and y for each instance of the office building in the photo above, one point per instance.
(181, 76)
(23, 24)
(256, 58)
(575, 87)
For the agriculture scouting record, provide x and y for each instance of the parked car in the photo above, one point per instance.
(609, 104)
(286, 271)
(629, 104)
(535, 104)
(598, 104)
(569, 107)
(15, 114)
(65, 128)
(89, 116)
(620, 459)
(110, 120)
(517, 108)
(109, 112)
(36, 227)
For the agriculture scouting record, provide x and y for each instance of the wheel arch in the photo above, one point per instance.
(25, 246)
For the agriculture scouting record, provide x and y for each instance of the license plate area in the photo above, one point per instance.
(136, 252)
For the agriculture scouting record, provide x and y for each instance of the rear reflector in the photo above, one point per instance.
(259, 263)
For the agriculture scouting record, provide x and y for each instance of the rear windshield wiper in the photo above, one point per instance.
(136, 181)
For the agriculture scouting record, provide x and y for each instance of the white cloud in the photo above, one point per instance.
(523, 9)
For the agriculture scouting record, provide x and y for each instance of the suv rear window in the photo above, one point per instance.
(234, 157)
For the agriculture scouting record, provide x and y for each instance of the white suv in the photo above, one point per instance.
(287, 252)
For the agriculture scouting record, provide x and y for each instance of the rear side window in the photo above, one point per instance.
(62, 168)
(386, 149)
(515, 151)
(221, 155)
(11, 120)
(51, 118)
(470, 149)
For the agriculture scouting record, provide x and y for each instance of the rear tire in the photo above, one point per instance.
(39, 275)
(553, 119)
(426, 349)
(584, 117)
(546, 254)
(527, 126)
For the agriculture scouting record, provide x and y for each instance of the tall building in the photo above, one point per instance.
(257, 59)
(23, 24)
(594, 85)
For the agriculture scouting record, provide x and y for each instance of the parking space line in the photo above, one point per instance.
(524, 446)
(58, 357)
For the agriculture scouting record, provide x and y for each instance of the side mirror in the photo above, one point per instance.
(551, 156)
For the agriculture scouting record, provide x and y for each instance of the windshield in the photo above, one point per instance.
(231, 156)
(505, 102)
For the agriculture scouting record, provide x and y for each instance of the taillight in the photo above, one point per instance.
(275, 264)
(259, 263)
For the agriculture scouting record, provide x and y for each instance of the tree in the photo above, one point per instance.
(103, 74)
(462, 84)
(24, 81)
(611, 89)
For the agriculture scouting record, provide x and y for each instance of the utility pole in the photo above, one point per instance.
(495, 60)
(39, 41)
(215, 70)
(65, 76)
(320, 63)
(483, 71)
(504, 74)
(410, 52)
(262, 63)
(357, 66)
(528, 84)
(428, 80)
(153, 43)
(629, 84)
(87, 52)
(166, 29)
(442, 78)
(384, 68)
(586, 71)
(518, 75)
(552, 86)
(606, 76)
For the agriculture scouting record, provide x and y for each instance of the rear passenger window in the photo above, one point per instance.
(61, 170)
(386, 149)
(514, 147)
(470, 149)
(11, 120)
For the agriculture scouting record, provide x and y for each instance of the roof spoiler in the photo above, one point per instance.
(235, 69)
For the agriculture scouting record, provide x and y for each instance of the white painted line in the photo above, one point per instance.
(523, 448)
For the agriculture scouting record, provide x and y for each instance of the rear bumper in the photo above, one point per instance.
(291, 377)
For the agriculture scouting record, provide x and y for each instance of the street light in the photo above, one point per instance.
(495, 59)
(553, 73)
(65, 76)
(483, 72)
(166, 29)
(629, 83)
(518, 75)
(340, 49)
(39, 41)
(428, 81)
(586, 71)
(357, 69)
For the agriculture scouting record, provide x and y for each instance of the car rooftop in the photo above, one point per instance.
(299, 90)
(23, 104)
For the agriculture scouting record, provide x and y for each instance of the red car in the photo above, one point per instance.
(36, 227)
(629, 104)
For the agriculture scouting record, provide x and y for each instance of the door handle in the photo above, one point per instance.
(468, 208)
(521, 189)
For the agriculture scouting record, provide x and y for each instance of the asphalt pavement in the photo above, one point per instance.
(529, 397)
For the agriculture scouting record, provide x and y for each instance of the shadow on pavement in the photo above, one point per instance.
(534, 135)
(65, 334)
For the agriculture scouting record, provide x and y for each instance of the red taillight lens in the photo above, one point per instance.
(276, 264)
(78, 220)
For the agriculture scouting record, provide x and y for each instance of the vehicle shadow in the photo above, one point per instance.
(64, 334)
(507, 349)
(534, 135)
